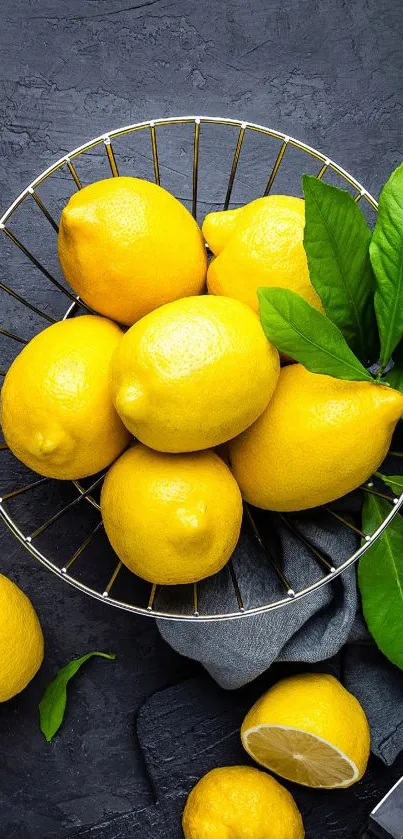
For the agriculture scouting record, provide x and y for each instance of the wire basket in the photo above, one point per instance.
(69, 538)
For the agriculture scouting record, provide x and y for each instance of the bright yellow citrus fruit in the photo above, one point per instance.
(260, 244)
(193, 373)
(171, 518)
(21, 640)
(311, 730)
(57, 413)
(239, 802)
(307, 448)
(127, 246)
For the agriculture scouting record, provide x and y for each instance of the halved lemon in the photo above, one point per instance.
(310, 730)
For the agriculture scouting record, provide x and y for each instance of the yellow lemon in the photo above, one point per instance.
(171, 518)
(193, 373)
(127, 246)
(260, 244)
(21, 640)
(307, 448)
(311, 730)
(57, 413)
(239, 802)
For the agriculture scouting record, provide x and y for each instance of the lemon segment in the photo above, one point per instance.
(299, 756)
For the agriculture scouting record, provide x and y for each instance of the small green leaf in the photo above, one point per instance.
(308, 336)
(336, 241)
(395, 378)
(386, 250)
(394, 482)
(380, 580)
(53, 703)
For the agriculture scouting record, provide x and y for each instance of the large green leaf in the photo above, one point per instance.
(336, 241)
(380, 580)
(308, 336)
(53, 703)
(386, 250)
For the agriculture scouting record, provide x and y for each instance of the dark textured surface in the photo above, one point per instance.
(328, 72)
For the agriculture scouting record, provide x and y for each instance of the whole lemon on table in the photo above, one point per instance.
(193, 373)
(21, 640)
(127, 246)
(259, 245)
(311, 730)
(239, 802)
(57, 413)
(309, 445)
(171, 518)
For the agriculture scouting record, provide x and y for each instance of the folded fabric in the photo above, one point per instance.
(310, 629)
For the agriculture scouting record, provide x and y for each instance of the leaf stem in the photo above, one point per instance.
(375, 492)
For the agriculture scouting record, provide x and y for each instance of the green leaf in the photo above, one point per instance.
(386, 250)
(380, 580)
(53, 703)
(308, 336)
(336, 241)
(394, 482)
(395, 378)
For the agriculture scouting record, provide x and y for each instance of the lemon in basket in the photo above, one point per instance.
(307, 447)
(193, 374)
(57, 413)
(171, 518)
(260, 244)
(127, 246)
(311, 730)
(239, 802)
(21, 640)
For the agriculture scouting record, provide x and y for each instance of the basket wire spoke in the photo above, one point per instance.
(323, 561)
(111, 157)
(154, 148)
(192, 610)
(26, 303)
(13, 238)
(234, 166)
(195, 166)
(44, 210)
(73, 173)
(82, 548)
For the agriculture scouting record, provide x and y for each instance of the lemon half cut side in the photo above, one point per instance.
(301, 757)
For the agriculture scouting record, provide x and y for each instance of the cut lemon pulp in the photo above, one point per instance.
(299, 756)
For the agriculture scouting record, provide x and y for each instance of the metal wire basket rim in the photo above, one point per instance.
(105, 597)
(126, 129)
(250, 612)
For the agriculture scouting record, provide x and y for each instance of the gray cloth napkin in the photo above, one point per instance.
(309, 630)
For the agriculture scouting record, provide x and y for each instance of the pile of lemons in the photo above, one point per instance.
(192, 372)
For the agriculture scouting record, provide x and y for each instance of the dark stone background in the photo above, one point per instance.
(326, 71)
